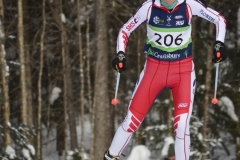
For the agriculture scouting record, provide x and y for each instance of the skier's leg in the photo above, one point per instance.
(144, 94)
(125, 131)
(183, 95)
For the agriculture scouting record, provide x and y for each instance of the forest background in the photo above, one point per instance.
(56, 74)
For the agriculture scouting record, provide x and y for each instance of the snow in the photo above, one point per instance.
(200, 72)
(31, 149)
(15, 63)
(226, 105)
(160, 127)
(26, 154)
(167, 101)
(139, 152)
(63, 18)
(12, 37)
(11, 152)
(69, 155)
(200, 136)
(55, 94)
(49, 143)
(168, 141)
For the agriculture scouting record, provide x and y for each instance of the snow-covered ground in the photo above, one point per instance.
(132, 152)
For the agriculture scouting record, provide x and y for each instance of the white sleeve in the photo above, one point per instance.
(200, 10)
(136, 20)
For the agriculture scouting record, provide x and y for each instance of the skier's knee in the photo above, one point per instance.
(131, 123)
(181, 125)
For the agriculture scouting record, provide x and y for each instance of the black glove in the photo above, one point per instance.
(219, 52)
(119, 62)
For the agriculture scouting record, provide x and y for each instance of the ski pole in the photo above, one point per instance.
(215, 100)
(114, 100)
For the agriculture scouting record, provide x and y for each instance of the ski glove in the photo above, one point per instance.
(119, 62)
(219, 52)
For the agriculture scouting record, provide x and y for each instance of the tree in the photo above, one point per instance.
(81, 77)
(4, 81)
(39, 117)
(208, 88)
(66, 63)
(24, 109)
(102, 122)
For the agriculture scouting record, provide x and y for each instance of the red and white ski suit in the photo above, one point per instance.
(168, 65)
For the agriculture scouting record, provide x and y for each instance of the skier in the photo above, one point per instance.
(168, 65)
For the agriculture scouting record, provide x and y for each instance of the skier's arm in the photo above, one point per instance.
(136, 20)
(199, 9)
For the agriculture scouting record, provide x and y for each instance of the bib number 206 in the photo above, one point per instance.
(169, 39)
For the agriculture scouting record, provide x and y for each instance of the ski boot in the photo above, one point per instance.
(108, 156)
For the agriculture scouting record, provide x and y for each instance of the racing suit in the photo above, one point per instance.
(168, 65)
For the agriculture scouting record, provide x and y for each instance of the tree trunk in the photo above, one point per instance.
(102, 124)
(208, 90)
(27, 42)
(39, 122)
(24, 107)
(4, 81)
(28, 67)
(29, 87)
(81, 78)
(57, 13)
(89, 84)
